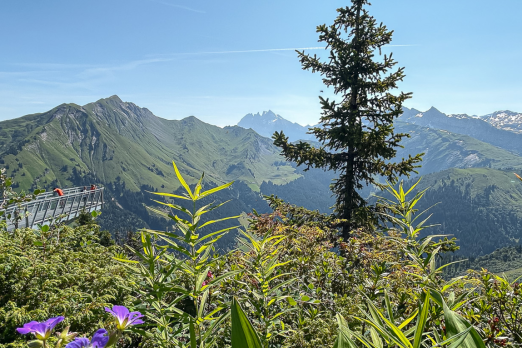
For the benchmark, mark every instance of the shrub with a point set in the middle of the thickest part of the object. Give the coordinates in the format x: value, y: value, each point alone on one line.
x: 54, y: 272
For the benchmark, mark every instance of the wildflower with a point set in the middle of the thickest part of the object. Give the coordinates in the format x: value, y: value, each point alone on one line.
x: 124, y: 317
x: 99, y: 340
x: 210, y: 276
x: 42, y: 331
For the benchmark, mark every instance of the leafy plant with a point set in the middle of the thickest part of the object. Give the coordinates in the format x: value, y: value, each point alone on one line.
x: 263, y: 283
x: 425, y: 333
x: 176, y: 269
x: 58, y: 271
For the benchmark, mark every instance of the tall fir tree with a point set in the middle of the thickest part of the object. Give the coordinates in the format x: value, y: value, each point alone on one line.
x: 356, y: 129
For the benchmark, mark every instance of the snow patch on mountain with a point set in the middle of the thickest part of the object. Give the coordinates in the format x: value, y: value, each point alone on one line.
x: 505, y: 119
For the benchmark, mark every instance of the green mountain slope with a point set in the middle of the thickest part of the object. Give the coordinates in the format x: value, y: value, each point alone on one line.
x: 113, y: 139
x: 444, y: 150
x: 128, y: 149
x: 504, y: 261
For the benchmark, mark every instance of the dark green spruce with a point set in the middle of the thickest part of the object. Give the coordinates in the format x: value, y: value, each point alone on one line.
x: 356, y: 129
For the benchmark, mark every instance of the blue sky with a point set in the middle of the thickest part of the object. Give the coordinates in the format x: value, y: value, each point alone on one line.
x: 219, y: 60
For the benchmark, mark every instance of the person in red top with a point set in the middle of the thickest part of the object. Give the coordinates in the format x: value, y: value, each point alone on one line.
x: 93, y: 188
x: 60, y: 194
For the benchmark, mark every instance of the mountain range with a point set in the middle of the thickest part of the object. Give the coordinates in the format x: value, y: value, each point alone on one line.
x: 507, y: 120
x: 467, y: 171
x: 129, y: 150
x: 268, y: 122
x: 488, y: 129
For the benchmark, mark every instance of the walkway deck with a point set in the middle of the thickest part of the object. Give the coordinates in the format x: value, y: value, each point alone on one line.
x: 48, y: 208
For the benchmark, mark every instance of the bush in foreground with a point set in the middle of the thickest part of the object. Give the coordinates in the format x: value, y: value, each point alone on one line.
x: 54, y: 272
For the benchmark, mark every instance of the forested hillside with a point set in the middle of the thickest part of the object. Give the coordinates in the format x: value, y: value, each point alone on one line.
x: 504, y: 261
x: 481, y: 207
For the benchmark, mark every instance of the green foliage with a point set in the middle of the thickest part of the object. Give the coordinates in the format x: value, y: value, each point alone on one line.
x: 498, y: 307
x: 357, y: 134
x: 58, y: 271
x: 243, y: 334
x: 177, y: 287
x: 284, y: 286
x: 262, y: 287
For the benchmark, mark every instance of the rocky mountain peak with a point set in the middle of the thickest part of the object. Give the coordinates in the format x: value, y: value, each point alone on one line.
x: 505, y: 119
x: 268, y: 122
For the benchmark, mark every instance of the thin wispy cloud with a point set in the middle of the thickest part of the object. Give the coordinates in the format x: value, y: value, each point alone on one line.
x: 122, y: 67
x: 264, y: 50
x: 88, y: 70
x: 259, y: 50
x: 177, y: 6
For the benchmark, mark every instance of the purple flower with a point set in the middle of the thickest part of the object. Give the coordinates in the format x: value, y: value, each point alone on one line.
x: 99, y: 340
x: 42, y: 331
x: 124, y: 318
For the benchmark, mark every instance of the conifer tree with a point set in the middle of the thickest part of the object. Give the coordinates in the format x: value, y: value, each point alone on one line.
x: 356, y: 128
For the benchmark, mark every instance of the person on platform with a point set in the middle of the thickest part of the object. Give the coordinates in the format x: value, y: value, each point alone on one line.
x: 93, y: 188
x: 59, y: 192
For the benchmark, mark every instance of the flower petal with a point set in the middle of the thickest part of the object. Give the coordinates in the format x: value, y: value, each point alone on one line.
x: 120, y: 312
x: 41, y: 331
x: 100, y: 339
x: 135, y: 315
x: 27, y: 328
x: 79, y: 342
x: 108, y: 310
x: 51, y: 323
x: 136, y: 322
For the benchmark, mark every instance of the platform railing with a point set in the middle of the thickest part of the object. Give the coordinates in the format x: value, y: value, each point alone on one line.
x: 50, y: 208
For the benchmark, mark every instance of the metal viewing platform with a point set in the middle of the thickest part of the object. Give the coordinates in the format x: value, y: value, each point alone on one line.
x: 48, y: 206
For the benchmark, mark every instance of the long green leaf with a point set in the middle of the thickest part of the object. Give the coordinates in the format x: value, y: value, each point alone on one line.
x: 219, y: 220
x: 215, y: 189
x: 389, y: 308
x: 171, y: 195
x: 243, y: 334
x: 192, y: 330
x: 343, y: 337
x: 214, y: 233
x: 182, y: 181
x: 408, y: 320
x: 198, y: 186
x: 421, y: 321
x: 455, y: 324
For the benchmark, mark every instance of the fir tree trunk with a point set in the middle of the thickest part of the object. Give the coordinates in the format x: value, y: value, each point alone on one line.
x: 350, y: 194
